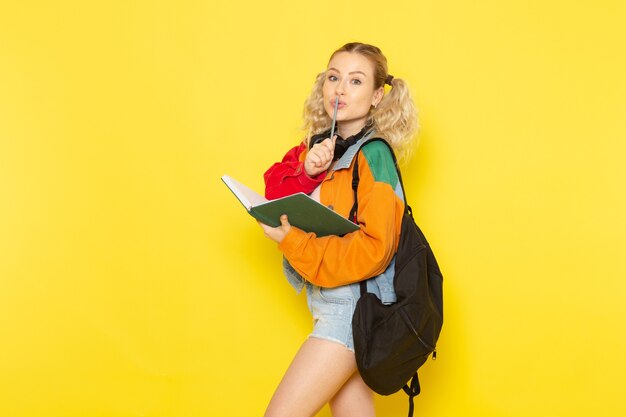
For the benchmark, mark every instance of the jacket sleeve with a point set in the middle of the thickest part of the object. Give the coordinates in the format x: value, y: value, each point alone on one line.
x: 289, y: 177
x: 332, y: 261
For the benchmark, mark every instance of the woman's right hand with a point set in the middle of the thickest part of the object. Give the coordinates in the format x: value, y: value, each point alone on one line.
x: 319, y: 157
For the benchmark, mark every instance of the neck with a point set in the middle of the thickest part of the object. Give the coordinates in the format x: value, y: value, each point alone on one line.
x: 351, y: 128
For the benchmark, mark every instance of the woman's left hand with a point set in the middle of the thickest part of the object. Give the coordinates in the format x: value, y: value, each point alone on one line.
x: 277, y: 234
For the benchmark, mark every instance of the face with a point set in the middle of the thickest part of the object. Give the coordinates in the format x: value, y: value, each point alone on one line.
x: 350, y: 76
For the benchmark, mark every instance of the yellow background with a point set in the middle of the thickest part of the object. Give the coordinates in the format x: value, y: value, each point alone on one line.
x: 133, y: 284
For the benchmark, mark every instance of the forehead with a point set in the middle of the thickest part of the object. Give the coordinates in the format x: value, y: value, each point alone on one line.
x: 346, y: 62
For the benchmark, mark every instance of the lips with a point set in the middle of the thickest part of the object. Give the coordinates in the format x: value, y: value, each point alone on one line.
x: 341, y: 105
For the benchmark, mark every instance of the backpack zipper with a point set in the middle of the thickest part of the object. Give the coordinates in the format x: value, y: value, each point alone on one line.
x: 407, y: 320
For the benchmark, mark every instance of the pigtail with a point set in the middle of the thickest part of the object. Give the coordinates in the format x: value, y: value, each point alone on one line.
x: 395, y: 118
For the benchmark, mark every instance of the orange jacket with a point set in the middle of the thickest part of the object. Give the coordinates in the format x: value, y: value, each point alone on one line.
x: 332, y: 261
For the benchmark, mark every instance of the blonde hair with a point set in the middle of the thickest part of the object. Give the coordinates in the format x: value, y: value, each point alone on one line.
x: 395, y: 117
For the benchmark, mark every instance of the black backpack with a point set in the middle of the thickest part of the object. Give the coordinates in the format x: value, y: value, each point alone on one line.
x: 393, y: 341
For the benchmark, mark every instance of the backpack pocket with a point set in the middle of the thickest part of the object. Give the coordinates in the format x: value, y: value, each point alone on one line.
x: 388, y: 346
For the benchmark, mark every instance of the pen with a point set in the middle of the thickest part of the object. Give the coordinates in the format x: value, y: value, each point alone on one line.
x: 332, y: 126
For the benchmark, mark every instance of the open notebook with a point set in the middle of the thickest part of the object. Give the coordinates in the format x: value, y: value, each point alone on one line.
x: 303, y: 212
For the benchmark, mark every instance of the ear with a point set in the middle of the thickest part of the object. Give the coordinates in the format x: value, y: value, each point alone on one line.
x: 378, y: 96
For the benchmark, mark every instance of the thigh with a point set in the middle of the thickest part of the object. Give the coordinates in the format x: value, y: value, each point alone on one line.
x: 354, y: 398
x: 318, y: 371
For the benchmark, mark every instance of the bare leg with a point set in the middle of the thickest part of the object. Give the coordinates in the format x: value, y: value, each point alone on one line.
x: 318, y: 371
x: 353, y: 399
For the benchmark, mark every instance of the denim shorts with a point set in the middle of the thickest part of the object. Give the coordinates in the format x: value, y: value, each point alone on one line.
x: 332, y: 310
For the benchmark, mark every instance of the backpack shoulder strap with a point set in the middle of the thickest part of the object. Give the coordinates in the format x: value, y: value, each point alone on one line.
x: 355, y: 179
x: 355, y: 186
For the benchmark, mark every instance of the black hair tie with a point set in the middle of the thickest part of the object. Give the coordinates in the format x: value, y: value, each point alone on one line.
x: 389, y: 79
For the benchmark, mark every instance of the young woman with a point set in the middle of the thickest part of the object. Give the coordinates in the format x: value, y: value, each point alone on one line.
x: 324, y: 369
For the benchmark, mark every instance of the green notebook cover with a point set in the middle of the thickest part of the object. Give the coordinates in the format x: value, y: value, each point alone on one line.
x: 303, y: 212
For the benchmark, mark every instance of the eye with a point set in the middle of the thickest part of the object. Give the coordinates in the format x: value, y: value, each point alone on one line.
x: 356, y: 81
x: 332, y: 78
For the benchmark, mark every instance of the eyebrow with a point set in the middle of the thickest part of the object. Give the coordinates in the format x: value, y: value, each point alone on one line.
x: 352, y: 72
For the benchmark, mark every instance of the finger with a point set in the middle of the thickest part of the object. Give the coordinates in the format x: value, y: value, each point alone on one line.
x: 315, y: 159
x: 326, y: 147
x: 329, y: 144
x: 266, y: 228
x: 325, y: 154
x: 284, y: 220
x: 322, y: 155
x: 323, y: 146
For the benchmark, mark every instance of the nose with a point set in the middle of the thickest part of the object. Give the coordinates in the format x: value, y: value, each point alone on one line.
x: 339, y: 90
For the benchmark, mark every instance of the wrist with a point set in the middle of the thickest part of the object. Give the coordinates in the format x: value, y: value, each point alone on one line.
x: 311, y: 175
